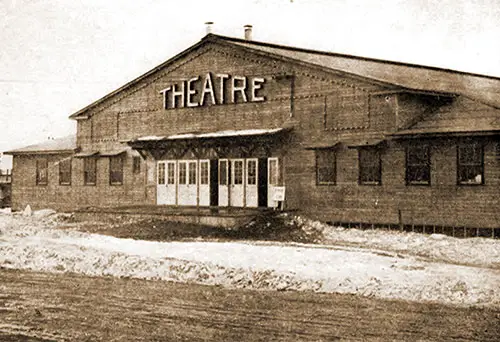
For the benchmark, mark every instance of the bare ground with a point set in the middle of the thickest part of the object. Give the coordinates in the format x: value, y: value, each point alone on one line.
x: 66, y: 307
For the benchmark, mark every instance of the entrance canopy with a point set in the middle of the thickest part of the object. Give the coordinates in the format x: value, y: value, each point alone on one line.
x: 222, y: 143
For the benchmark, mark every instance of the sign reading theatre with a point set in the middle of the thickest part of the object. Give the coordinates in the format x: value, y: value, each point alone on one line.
x: 213, y: 90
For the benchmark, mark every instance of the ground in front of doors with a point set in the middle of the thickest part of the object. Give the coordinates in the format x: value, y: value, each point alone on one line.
x: 104, y: 279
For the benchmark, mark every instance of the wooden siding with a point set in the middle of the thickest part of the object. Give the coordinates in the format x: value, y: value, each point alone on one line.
x: 323, y: 107
x: 77, y: 195
x: 442, y: 203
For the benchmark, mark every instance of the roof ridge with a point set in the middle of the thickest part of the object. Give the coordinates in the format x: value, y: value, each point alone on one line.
x: 338, y: 54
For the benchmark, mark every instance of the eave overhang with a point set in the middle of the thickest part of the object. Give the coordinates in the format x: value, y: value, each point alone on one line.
x: 208, y: 139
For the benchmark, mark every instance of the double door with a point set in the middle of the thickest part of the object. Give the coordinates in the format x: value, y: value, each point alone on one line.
x: 238, y: 182
x: 183, y: 182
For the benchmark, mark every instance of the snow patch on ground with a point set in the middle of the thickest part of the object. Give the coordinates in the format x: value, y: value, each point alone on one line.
x: 482, y: 252
x: 34, y: 243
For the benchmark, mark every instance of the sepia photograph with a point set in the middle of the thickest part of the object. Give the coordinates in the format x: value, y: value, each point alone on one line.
x: 281, y: 170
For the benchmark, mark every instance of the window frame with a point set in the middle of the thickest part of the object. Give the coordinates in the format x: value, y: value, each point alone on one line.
x: 318, y: 153
x: 42, y: 178
x: 427, y: 165
x: 68, y: 172
x: 362, y: 166
x: 119, y: 160
x: 87, y: 171
x: 460, y: 145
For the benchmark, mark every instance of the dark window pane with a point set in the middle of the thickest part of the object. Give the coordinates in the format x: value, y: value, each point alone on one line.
x: 223, y: 172
x: 136, y: 168
x: 41, y: 171
x: 182, y: 173
x: 192, y: 172
x: 238, y: 172
x: 369, y: 166
x: 161, y: 173
x: 65, y: 171
x: 204, y: 172
x: 116, y: 170
x: 325, y: 167
x: 470, y: 164
x: 170, y: 173
x: 89, y: 171
x: 418, y: 165
x: 252, y: 172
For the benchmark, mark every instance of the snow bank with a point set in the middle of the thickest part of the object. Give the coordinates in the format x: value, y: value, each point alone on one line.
x: 472, y: 251
x: 26, y: 243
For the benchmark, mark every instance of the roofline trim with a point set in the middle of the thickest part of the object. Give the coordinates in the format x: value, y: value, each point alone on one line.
x: 371, y: 59
x: 415, y: 135
x: 13, y: 153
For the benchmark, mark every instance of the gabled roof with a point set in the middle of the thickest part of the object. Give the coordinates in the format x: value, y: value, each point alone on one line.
x: 52, y: 146
x: 407, y: 76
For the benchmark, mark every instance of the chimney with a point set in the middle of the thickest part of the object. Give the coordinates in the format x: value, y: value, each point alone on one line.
x: 209, y: 25
x: 248, y: 32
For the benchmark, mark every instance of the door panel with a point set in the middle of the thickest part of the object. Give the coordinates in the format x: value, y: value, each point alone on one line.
x: 187, y: 180
x: 236, y: 196
x: 170, y: 183
x: 204, y: 183
x: 214, y: 182
x: 251, y: 191
x: 161, y: 190
x: 272, y: 180
x: 262, y: 176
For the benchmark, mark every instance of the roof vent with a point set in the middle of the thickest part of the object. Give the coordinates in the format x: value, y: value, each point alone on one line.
x: 248, y: 32
x: 209, y: 26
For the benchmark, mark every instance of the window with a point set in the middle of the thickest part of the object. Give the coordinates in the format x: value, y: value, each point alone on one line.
x: 182, y: 173
x: 470, y: 164
x: 89, y: 171
x: 252, y: 172
x: 203, y: 172
x: 418, y: 165
x: 136, y: 165
x: 41, y: 171
x: 170, y: 173
x: 223, y: 172
x: 370, y: 170
x: 326, y: 167
x: 273, y: 176
x: 192, y: 172
x: 238, y: 172
x: 65, y: 171
x: 161, y: 173
x: 116, y: 170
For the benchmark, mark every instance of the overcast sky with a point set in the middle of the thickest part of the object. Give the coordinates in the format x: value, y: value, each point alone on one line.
x: 57, y: 56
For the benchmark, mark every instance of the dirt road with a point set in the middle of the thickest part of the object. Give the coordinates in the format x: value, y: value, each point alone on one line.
x: 48, y: 307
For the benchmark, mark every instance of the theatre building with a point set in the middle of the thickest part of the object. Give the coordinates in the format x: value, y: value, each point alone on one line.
x: 235, y: 123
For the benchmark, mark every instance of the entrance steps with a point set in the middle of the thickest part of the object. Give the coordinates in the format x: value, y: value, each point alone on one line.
x: 225, y: 217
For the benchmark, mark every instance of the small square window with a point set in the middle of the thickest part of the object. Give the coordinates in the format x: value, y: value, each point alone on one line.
x: 326, y: 166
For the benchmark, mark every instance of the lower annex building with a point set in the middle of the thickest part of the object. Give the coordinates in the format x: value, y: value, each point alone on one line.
x: 235, y: 123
